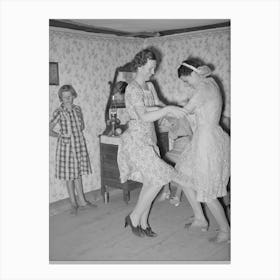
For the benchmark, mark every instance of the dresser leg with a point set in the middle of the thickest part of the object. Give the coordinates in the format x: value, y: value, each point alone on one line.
x: 103, y: 191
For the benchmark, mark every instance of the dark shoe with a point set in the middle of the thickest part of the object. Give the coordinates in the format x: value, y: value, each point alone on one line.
x: 149, y: 232
x: 88, y: 205
x: 135, y: 230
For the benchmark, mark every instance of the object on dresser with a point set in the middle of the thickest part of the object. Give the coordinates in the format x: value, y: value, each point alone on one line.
x: 113, y: 123
x: 116, y: 101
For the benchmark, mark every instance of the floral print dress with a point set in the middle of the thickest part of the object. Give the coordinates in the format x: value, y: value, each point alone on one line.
x: 138, y: 153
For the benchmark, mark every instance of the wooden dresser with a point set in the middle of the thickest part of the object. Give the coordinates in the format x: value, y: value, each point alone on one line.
x: 109, y: 166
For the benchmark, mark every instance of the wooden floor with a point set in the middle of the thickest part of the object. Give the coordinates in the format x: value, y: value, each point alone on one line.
x: 98, y: 235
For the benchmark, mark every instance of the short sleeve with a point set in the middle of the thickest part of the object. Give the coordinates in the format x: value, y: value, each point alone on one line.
x: 134, y: 96
x: 134, y: 101
x: 55, y: 117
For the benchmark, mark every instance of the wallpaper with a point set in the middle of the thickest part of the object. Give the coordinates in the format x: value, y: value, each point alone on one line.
x: 89, y: 61
x: 212, y: 46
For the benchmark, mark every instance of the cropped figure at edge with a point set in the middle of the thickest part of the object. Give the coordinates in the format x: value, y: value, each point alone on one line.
x: 205, y: 163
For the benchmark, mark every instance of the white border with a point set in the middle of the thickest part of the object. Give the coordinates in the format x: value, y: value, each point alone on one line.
x: 255, y: 137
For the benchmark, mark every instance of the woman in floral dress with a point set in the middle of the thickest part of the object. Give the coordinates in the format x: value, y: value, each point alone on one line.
x: 205, y: 164
x: 138, y: 154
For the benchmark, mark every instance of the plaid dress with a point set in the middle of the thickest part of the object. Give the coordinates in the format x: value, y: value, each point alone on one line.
x: 72, y: 160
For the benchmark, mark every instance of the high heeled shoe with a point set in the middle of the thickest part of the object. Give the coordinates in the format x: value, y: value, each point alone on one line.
x: 136, y: 230
x: 194, y: 225
x: 149, y: 232
x: 221, y: 237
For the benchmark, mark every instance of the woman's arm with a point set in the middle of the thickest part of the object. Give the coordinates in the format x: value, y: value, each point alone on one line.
x: 152, y: 116
x: 53, y: 123
x: 53, y: 133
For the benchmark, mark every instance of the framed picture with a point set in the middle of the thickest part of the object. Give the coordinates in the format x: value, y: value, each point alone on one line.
x: 54, y: 77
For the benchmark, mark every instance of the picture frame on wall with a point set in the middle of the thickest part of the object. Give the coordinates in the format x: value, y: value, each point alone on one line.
x: 53, y: 74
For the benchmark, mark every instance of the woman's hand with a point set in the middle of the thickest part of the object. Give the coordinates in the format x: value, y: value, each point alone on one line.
x: 176, y: 111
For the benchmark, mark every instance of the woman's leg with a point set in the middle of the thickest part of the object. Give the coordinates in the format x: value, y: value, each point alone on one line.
x: 178, y: 192
x: 80, y: 191
x: 165, y: 194
x: 199, y: 217
x: 146, y: 197
x: 218, y: 212
x: 144, y: 218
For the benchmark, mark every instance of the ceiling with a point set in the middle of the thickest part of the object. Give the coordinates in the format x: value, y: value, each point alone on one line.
x: 147, y: 25
x: 139, y: 27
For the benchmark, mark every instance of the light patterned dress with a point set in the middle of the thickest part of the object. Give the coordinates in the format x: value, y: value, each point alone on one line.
x: 138, y: 153
x: 205, y: 163
x: 72, y: 160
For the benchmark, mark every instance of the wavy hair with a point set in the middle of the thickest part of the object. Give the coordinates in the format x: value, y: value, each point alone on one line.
x: 142, y: 57
x: 67, y: 88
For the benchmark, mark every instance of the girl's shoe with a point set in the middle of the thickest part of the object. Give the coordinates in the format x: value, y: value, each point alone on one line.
x: 136, y: 230
x: 221, y: 237
x: 175, y: 201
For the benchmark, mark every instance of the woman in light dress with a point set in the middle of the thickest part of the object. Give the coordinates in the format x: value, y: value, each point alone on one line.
x: 138, y: 153
x: 205, y: 163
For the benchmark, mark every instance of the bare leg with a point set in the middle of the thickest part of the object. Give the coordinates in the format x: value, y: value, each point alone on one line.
x: 72, y: 197
x: 144, y: 218
x: 80, y: 192
x: 176, y: 199
x: 219, y: 214
x: 146, y: 197
x: 165, y: 194
x: 71, y: 193
x: 196, y: 206
x: 178, y: 192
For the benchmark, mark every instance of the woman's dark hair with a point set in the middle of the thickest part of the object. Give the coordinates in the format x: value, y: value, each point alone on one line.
x: 186, y: 71
x: 120, y: 87
x: 66, y: 88
x: 142, y: 57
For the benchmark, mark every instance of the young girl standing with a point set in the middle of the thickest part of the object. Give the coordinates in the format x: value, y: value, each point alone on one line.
x: 72, y: 160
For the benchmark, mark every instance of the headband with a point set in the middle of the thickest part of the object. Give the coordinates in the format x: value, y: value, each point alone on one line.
x: 203, y: 71
x: 190, y: 66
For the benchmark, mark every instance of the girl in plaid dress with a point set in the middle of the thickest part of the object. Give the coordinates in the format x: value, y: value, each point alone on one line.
x: 72, y: 160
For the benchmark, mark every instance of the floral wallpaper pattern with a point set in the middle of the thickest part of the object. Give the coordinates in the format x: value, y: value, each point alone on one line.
x: 212, y: 46
x: 88, y: 62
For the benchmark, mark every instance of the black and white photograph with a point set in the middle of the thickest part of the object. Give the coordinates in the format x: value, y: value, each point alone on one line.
x: 140, y: 140
x: 146, y: 144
